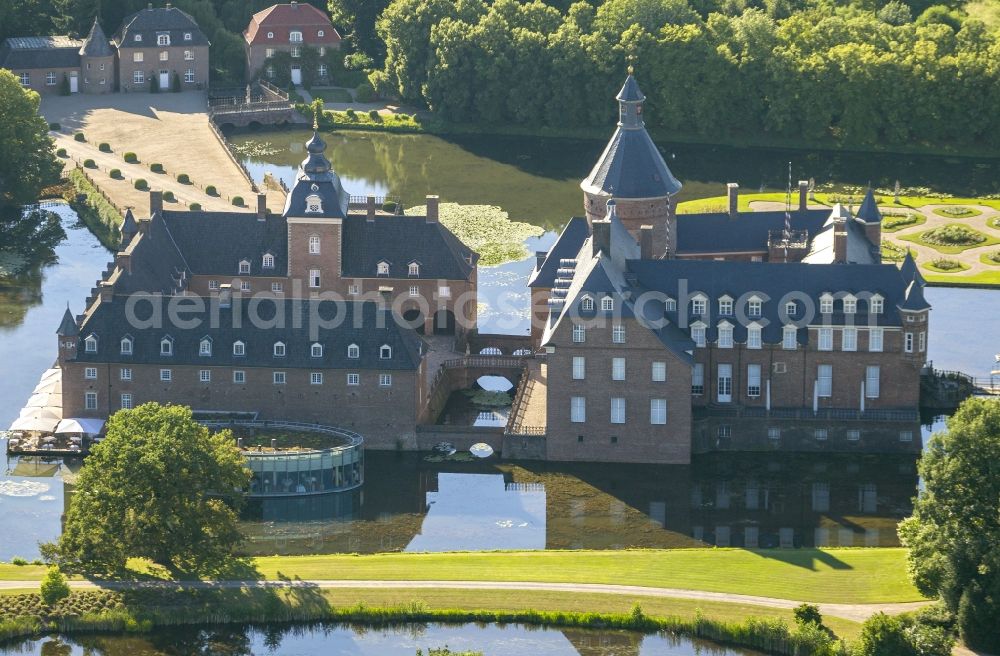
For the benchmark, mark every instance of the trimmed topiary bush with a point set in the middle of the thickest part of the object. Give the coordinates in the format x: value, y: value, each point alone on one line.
x: 79, y: 136
x: 365, y: 92
x: 351, y: 114
x: 238, y: 201
x: 946, y: 265
x: 194, y: 207
x: 183, y: 178
x: 55, y: 127
x: 141, y: 185
x: 956, y: 211
x: 116, y: 174
x: 389, y: 207
x: 131, y: 158
x: 374, y: 116
x: 105, y: 147
x: 61, y: 152
x: 156, y: 167
x: 89, y: 164
x: 169, y: 196
x: 211, y: 190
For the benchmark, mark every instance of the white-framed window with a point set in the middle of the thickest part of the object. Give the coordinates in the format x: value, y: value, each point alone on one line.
x: 278, y: 377
x: 295, y: 36
x: 824, y: 379
x: 314, y: 245
x: 821, y: 433
x: 753, y: 337
x: 385, y: 352
x: 922, y: 342
x: 244, y: 266
x: 725, y: 306
x: 725, y: 335
x: 277, y: 287
x: 382, y: 269
x: 189, y: 75
x: 618, y: 333
x: 753, y: 380
x: 791, y: 308
x: 659, y: 372
x: 826, y: 304
x: 90, y: 373
x: 137, y: 57
x: 268, y: 53
x: 314, y: 278
x: 126, y: 346
x: 138, y: 77
x: 853, y: 434
x: 213, y: 285
x: 587, y: 304
x: 617, y: 410
x: 163, y: 39
x: 322, y: 70
x: 414, y: 290
x: 875, y: 337
x: 850, y: 305
x: 908, y: 342
x: 270, y: 35
x: 188, y: 55
x: 699, y: 305
x: 875, y: 304
x: 579, y: 334
x: 164, y: 55
x: 698, y: 335
x: 607, y: 304
x: 296, y: 52
x: 315, y: 378
x: 239, y: 348
x: 354, y: 289
x: 670, y: 305
x: 444, y: 291
x: 849, y: 339
x: 314, y: 203
x: 90, y: 400
x: 825, y: 339
x: 578, y: 409
x: 279, y: 349
x: 25, y: 79
x: 789, y: 338
x: 413, y: 269
x: 320, y: 33
x: 617, y: 368
x: 698, y: 379
x: 50, y: 79
x: 244, y: 285
x: 205, y: 375
x: 754, y: 307
x: 267, y: 261
x: 205, y: 347
x: 353, y: 351
x: 316, y: 350
x: 166, y: 346
x: 905, y: 436
x: 239, y: 376
x: 579, y: 367
x: 353, y: 379
x: 166, y: 375
x: 657, y: 411
x: 126, y: 401
x: 872, y: 376
x: 724, y: 383
x: 90, y: 344
x: 125, y: 373
x: 187, y: 36
x: 385, y: 380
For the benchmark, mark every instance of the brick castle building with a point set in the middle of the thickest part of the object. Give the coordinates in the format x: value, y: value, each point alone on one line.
x: 288, y: 27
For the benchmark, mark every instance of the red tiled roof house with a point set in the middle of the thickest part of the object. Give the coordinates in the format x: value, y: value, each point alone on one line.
x: 291, y: 28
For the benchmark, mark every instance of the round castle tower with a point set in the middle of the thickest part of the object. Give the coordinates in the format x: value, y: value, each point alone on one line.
x: 97, y: 60
x: 632, y: 171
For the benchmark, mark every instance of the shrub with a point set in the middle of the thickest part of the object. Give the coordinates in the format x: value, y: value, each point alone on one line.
x: 53, y: 588
x: 194, y: 207
x: 17, y: 560
x: 895, y: 221
x: 946, y: 265
x: 156, y: 167
x: 373, y: 115
x: 211, y: 190
x: 808, y: 614
x: 956, y: 210
x: 64, y: 89
x: 365, y: 92
x: 994, y: 257
x: 79, y: 136
x: 169, y: 196
x: 183, y: 178
x: 141, y: 185
x: 882, y: 635
x: 154, y: 84
x: 89, y: 164
x: 389, y: 207
x: 116, y: 174
x: 55, y: 127
x: 351, y: 115
x: 131, y: 158
x: 176, y: 85
x: 238, y: 201
x: 105, y: 147
x: 977, y: 614
x: 61, y: 152
x: 953, y: 235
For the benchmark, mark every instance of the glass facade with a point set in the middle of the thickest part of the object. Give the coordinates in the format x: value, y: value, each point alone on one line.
x: 289, y: 473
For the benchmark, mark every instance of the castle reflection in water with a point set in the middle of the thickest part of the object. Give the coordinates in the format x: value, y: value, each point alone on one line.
x: 822, y: 494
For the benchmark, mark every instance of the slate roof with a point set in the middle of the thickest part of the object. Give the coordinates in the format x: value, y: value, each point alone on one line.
x: 869, y: 212
x: 156, y: 20
x: 400, y: 240
x: 157, y: 264
x: 359, y: 326
x: 40, y: 52
x: 914, y: 300
x: 859, y: 249
x: 908, y: 269
x: 316, y: 177
x: 96, y: 44
x: 717, y: 232
x: 282, y: 18
x: 216, y: 242
x: 630, y: 91
x: 566, y: 247
x: 67, y: 327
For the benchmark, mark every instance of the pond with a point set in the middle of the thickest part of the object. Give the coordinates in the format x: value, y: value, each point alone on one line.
x: 362, y: 640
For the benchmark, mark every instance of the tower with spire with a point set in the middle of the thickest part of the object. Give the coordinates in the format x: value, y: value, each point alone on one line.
x: 97, y: 60
x: 632, y: 171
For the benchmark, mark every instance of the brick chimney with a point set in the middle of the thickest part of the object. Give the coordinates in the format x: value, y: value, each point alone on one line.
x: 123, y: 260
x: 155, y: 202
x: 107, y: 292
x: 370, y: 209
x: 803, y: 195
x: 432, y: 209
x: 839, y: 239
x: 261, y: 207
x: 601, y: 239
x: 733, y: 194
x: 646, y: 242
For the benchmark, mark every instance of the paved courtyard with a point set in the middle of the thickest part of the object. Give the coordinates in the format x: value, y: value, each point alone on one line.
x: 169, y: 128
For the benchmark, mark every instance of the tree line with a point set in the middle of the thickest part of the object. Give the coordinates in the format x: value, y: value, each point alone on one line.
x: 718, y: 70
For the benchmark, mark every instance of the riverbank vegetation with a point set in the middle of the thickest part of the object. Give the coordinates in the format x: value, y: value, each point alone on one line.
x: 99, y: 215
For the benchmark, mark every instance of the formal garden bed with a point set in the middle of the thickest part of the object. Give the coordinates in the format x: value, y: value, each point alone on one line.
x: 944, y: 265
x: 956, y: 211
x: 895, y: 221
x: 992, y: 259
x: 951, y: 238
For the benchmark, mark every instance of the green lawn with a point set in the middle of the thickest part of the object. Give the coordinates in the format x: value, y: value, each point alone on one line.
x: 962, y: 266
x: 985, y: 259
x: 951, y: 280
x: 332, y: 95
x: 913, y: 202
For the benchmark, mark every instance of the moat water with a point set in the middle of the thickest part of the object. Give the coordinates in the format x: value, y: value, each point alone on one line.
x: 408, y: 503
x: 363, y: 640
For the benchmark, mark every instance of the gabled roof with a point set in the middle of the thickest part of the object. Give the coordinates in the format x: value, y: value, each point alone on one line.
x: 399, y: 240
x: 67, y: 327
x: 152, y: 21
x: 717, y: 232
x: 869, y: 212
x: 281, y: 18
x: 129, y: 226
x: 214, y: 243
x: 96, y: 44
x: 45, y: 52
x: 566, y: 247
x: 156, y: 264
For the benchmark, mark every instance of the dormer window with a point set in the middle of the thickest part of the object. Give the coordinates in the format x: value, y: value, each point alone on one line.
x: 383, y: 269
x: 316, y: 350
x: 698, y: 334
x: 791, y: 309
x: 753, y: 336
x: 725, y: 306
x: 826, y: 304
x: 205, y: 347
x: 314, y: 244
x: 137, y: 38
x: 295, y: 36
x: 875, y: 304
x: 126, y: 346
x: 239, y: 348
x: 670, y: 305
x: 279, y: 349
x: 353, y: 352
x: 725, y: 335
x: 167, y: 346
x: 850, y: 305
x: 314, y: 204
x: 244, y: 266
x: 607, y: 304
x: 699, y: 305
x: 268, y: 262
x: 414, y: 269
x: 587, y: 304
x: 163, y: 39
x: 187, y: 36
x: 385, y: 352
x: 90, y: 344
x: 754, y: 307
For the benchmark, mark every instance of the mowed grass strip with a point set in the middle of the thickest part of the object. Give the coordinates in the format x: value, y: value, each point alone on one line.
x: 818, y: 575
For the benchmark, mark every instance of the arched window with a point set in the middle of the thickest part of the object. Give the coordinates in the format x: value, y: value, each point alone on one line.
x: 314, y: 203
x: 587, y: 304
x: 607, y: 304
x: 279, y: 349
x: 239, y: 348
x: 167, y: 346
x: 205, y: 346
x: 353, y: 352
x: 314, y: 244
x: 295, y: 36
x: 244, y: 266
x: 385, y: 352
x: 90, y: 344
x: 383, y: 268
x: 268, y: 261
x: 316, y: 350
x: 126, y: 345
x: 414, y: 269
